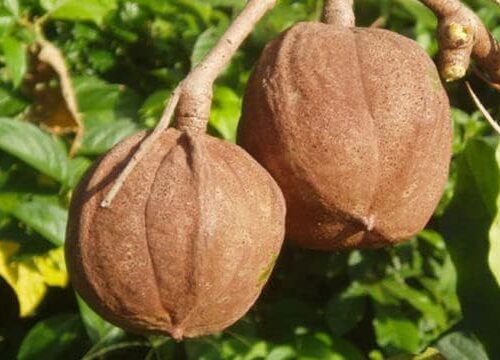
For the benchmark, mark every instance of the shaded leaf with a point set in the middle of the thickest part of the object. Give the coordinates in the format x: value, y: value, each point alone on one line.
x: 49, y: 338
x: 466, y: 228
x: 344, y: 312
x: 461, y: 346
x: 494, y: 235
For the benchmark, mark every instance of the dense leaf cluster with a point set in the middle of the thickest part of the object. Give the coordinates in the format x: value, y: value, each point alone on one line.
x: 440, y: 289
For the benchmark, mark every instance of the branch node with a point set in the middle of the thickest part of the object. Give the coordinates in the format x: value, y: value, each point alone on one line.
x: 453, y: 72
x: 458, y: 34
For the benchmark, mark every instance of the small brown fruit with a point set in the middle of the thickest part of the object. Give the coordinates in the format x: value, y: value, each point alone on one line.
x: 354, y: 125
x: 188, y: 242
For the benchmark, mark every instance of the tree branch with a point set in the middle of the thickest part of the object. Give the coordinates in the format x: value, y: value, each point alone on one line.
x: 192, y: 98
x: 339, y: 13
x: 462, y: 35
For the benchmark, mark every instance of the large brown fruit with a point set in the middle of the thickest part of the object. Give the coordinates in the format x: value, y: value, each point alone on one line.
x: 188, y: 242
x: 354, y: 125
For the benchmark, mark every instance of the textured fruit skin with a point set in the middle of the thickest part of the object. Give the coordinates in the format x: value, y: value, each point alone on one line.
x: 188, y: 242
x: 355, y: 127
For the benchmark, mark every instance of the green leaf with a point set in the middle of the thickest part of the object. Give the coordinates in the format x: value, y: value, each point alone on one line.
x: 395, y: 331
x: 152, y: 108
x: 428, y: 354
x: 421, y: 13
x: 494, y: 235
x: 203, y: 349
x: 226, y: 111
x: 344, y: 312
x: 76, y: 10
x: 282, y: 352
x: 35, y: 147
x: 461, y: 346
x: 10, y: 104
x: 15, y: 59
x: 97, y: 328
x: 466, y: 228
x: 101, y: 102
x: 418, y: 300
x: 321, y: 346
x: 311, y: 347
x: 12, y: 6
x: 51, y: 337
x: 100, y: 138
x: 76, y: 168
x: 42, y: 213
x: 344, y: 350
x: 205, y: 42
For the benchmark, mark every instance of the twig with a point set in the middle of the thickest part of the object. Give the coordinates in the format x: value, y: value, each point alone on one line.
x: 462, y: 34
x: 481, y: 108
x: 483, y: 77
x: 143, y: 147
x: 339, y: 13
x: 192, y: 98
x: 378, y: 23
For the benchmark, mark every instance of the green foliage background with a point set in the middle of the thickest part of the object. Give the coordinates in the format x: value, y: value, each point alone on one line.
x: 440, y: 289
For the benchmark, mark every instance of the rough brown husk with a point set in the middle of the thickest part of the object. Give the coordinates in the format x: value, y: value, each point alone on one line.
x: 188, y: 242
x: 354, y: 125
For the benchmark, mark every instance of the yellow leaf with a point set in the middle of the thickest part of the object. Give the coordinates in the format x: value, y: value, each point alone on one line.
x: 30, y: 277
x: 52, y: 267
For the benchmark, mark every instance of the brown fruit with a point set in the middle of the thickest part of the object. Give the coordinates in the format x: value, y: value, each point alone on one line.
x: 354, y: 125
x: 188, y: 242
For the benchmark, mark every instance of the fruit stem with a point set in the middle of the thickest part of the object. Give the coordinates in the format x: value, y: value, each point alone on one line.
x: 192, y: 98
x: 462, y: 35
x: 195, y: 99
x: 339, y: 13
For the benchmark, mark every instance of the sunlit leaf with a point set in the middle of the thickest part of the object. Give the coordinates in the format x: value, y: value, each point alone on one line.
x: 35, y: 147
x: 15, y: 58
x: 226, y: 110
x: 97, y: 328
x: 394, y: 330
x: 76, y: 10
x: 12, y: 6
x: 77, y: 167
x: 205, y: 43
x: 29, y: 277
x: 10, y: 104
x: 284, y: 352
x: 42, y: 213
x: 101, y: 138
